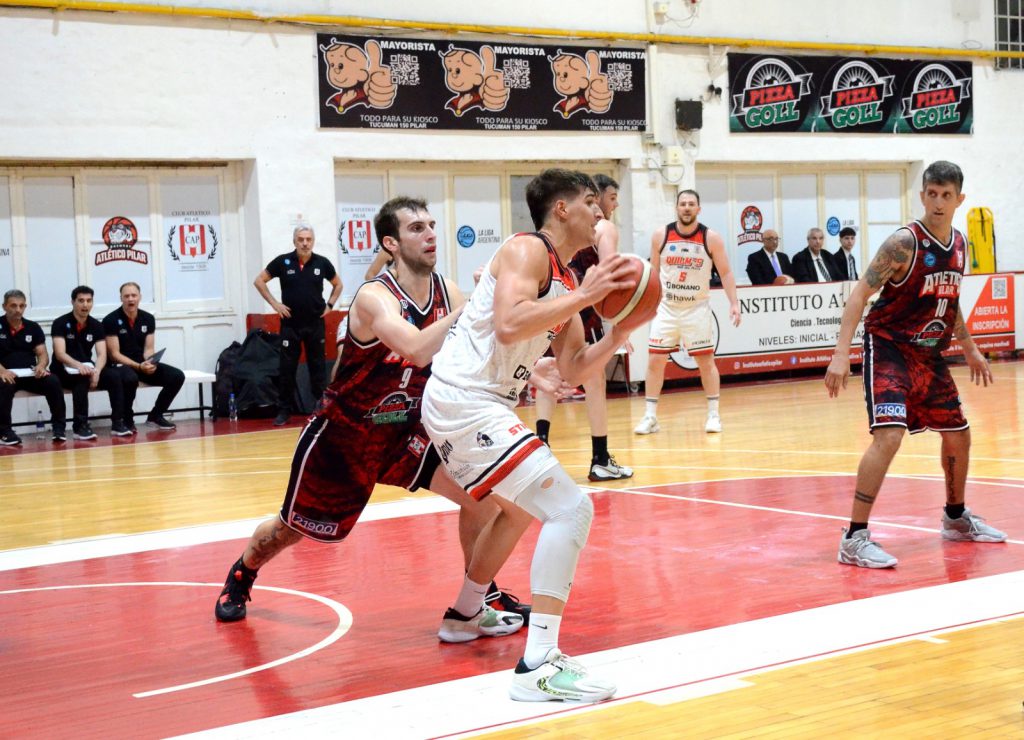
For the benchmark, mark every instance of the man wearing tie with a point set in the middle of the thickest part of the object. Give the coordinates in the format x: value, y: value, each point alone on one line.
x: 814, y: 264
x: 769, y: 266
x: 846, y: 265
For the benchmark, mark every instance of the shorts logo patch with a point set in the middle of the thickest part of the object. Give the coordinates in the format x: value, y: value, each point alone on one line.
x: 897, y: 410
x: 329, y: 529
x: 483, y: 440
x: 445, y: 450
x: 417, y: 445
x: 393, y: 409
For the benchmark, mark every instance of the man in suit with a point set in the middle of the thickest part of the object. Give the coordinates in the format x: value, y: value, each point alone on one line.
x: 767, y: 265
x: 842, y: 258
x: 813, y: 264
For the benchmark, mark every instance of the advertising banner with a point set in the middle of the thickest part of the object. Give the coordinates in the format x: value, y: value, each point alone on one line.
x: 403, y: 83
x: 819, y: 94
x: 788, y: 327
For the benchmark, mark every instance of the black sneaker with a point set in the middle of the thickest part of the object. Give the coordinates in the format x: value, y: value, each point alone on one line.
x: 503, y: 601
x: 160, y: 423
x: 60, y: 435
x: 131, y: 427
x: 282, y: 418
x: 84, y: 432
x: 119, y: 429
x: 231, y: 604
x: 8, y: 438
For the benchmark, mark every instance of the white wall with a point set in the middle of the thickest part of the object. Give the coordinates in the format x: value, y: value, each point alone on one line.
x: 88, y: 87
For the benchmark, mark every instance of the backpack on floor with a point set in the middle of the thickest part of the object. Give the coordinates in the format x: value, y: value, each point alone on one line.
x: 224, y: 385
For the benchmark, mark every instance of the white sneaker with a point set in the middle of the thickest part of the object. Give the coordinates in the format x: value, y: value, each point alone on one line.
x: 558, y: 678
x: 970, y: 528
x: 610, y: 470
x: 714, y: 424
x: 487, y: 622
x: 648, y: 425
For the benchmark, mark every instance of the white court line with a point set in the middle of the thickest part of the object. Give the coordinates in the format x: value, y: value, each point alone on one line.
x: 343, y: 626
x: 660, y: 671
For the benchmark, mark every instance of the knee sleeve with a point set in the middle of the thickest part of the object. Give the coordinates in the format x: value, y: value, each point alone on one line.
x: 566, y: 514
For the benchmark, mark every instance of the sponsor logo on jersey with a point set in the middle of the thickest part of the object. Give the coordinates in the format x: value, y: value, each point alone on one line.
x: 393, y: 409
x: 898, y: 410
x: 312, y: 526
x: 687, y: 263
x: 931, y: 335
x: 929, y: 258
x: 445, y: 450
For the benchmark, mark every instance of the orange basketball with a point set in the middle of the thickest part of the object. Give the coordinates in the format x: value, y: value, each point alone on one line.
x: 633, y: 307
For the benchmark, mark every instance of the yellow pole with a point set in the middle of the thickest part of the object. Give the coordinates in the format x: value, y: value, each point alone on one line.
x: 376, y: 24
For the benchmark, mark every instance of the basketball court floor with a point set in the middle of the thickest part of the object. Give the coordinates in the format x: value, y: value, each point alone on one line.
x: 709, y: 589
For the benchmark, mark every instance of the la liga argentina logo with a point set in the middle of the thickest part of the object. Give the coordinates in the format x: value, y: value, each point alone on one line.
x: 935, y: 98
x: 857, y: 96
x: 771, y: 94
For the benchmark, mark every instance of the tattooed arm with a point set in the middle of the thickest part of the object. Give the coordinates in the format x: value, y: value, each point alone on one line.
x: 981, y: 373
x: 891, y: 263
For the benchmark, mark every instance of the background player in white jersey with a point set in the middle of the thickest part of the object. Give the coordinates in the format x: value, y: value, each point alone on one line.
x: 684, y: 253
x: 525, y: 302
x: 602, y: 465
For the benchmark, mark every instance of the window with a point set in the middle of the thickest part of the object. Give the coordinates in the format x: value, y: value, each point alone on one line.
x: 1009, y: 18
x: 740, y: 202
x: 168, y: 229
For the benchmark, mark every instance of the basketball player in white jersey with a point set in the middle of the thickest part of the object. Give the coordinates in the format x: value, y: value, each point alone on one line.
x: 603, y: 466
x: 527, y: 300
x: 684, y: 253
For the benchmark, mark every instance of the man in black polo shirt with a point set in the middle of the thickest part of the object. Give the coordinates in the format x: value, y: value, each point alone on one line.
x: 23, y: 361
x: 75, y: 335
x: 131, y: 341
x: 302, y: 310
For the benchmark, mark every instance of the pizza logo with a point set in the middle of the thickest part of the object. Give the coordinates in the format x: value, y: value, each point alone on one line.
x: 119, y: 239
x: 771, y: 94
x: 857, y: 95
x: 393, y: 409
x: 935, y: 97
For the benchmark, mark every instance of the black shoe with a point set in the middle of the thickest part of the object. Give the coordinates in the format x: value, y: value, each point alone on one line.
x: 83, y: 432
x: 131, y: 427
x: 118, y: 429
x: 505, y: 602
x: 231, y: 604
x: 8, y: 438
x: 282, y: 418
x: 60, y: 435
x: 160, y: 423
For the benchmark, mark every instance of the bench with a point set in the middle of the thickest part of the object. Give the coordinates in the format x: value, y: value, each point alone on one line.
x: 192, y: 377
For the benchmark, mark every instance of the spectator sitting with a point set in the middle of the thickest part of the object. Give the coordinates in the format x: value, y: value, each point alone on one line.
x: 813, y: 264
x: 842, y: 258
x: 769, y: 266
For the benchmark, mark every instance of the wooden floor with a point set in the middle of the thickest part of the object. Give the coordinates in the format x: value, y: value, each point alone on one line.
x: 785, y: 447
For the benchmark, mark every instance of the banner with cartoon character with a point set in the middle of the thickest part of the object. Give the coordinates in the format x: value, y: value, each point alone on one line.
x: 846, y: 95
x: 407, y: 83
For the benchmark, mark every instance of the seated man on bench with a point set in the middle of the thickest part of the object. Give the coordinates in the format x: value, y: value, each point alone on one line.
x: 75, y: 335
x: 131, y: 342
x: 23, y: 361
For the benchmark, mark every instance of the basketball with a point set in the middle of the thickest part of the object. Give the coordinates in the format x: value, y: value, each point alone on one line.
x: 633, y: 307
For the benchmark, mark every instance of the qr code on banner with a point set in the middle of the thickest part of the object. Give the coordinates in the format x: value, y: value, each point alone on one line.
x: 517, y: 74
x: 999, y: 291
x: 405, y: 69
x: 620, y: 77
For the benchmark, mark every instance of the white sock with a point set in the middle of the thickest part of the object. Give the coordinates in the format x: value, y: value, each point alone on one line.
x: 652, y: 407
x: 712, y: 405
x: 471, y: 597
x: 541, y: 636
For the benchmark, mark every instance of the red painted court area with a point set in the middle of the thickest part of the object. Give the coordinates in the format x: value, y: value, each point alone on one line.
x: 693, y: 557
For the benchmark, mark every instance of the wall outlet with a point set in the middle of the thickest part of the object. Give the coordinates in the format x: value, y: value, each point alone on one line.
x: 673, y: 156
x: 660, y: 8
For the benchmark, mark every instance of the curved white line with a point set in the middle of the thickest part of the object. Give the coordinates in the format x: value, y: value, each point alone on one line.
x: 344, y: 623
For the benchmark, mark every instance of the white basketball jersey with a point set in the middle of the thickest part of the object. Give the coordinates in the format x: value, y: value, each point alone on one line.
x: 471, y: 357
x: 685, y: 267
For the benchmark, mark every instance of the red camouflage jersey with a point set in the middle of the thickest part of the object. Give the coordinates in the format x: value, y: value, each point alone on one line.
x: 375, y: 384
x: 921, y: 309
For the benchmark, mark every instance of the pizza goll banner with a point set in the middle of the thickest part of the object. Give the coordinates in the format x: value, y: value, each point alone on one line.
x: 846, y: 95
x: 390, y: 83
